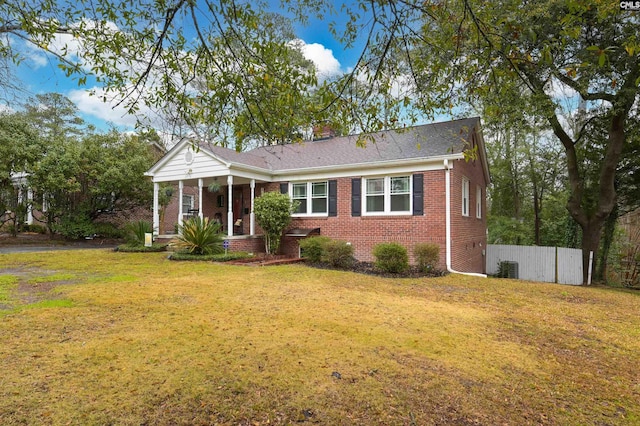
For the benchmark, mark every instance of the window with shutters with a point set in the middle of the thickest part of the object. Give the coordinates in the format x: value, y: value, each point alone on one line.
x: 312, y: 197
x: 388, y: 195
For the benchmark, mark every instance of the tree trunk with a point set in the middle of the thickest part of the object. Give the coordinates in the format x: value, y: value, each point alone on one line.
x: 609, y: 228
x: 592, y: 222
x: 590, y: 243
x: 536, y: 212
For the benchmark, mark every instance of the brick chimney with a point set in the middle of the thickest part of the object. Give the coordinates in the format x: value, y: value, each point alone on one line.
x: 323, y: 131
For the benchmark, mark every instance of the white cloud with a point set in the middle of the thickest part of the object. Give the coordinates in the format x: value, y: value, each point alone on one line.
x: 6, y: 109
x: 327, y: 65
x: 91, y: 102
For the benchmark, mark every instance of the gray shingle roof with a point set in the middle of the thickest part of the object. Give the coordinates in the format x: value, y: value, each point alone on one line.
x: 429, y: 140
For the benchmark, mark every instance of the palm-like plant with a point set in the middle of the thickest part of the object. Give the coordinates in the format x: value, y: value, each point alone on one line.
x: 135, y: 232
x: 200, y: 236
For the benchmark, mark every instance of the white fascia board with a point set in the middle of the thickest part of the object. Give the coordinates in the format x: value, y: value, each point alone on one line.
x: 371, y: 169
x: 244, y: 171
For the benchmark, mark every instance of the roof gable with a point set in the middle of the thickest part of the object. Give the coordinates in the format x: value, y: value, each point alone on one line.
x: 186, y: 161
x: 420, y: 143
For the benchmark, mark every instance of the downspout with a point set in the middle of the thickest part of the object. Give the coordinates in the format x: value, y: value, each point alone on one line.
x: 447, y: 182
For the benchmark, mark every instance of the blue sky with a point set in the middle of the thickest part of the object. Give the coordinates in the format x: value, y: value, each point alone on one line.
x: 40, y: 74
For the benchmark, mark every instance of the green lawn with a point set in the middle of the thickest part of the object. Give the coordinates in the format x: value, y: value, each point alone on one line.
x: 99, y: 337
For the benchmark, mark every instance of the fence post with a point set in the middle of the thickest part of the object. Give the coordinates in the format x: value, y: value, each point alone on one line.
x: 590, y: 267
x: 556, y: 266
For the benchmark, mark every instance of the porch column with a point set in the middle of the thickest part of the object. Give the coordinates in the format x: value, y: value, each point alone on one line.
x: 180, y: 212
x: 252, y: 216
x: 230, y: 206
x: 200, y: 198
x: 29, y: 206
x: 156, y: 212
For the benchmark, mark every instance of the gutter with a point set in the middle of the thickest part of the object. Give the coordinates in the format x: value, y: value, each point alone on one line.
x: 447, y: 180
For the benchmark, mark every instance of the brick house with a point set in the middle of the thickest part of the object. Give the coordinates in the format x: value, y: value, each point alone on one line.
x: 409, y: 186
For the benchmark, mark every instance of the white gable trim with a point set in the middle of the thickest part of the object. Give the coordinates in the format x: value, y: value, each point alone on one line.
x: 179, y: 150
x: 186, y: 162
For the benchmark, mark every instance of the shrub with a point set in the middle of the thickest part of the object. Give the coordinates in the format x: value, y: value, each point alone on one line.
x: 391, y: 257
x: 313, y: 248
x: 34, y: 227
x: 108, y: 230
x: 75, y: 227
x: 273, y: 214
x: 338, y: 254
x: 427, y: 256
x: 200, y: 237
x: 135, y: 232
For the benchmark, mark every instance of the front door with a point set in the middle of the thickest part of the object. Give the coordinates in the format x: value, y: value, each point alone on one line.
x: 238, y: 206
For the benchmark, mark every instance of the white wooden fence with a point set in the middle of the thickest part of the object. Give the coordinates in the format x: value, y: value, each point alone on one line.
x: 547, y: 264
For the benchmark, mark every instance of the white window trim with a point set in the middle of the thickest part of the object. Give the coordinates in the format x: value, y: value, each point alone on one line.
x: 309, y: 198
x: 387, y: 196
x: 478, y: 202
x: 465, y: 197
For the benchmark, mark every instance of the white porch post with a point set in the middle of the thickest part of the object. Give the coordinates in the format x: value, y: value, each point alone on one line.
x: 29, y: 206
x: 230, y: 206
x: 252, y: 216
x: 200, y: 198
x: 156, y: 212
x: 180, y: 212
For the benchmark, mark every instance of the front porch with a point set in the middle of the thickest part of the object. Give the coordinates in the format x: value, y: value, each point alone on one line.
x: 230, y: 205
x: 207, y: 182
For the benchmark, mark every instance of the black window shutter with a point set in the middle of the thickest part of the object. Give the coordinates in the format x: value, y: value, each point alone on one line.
x: 284, y: 188
x: 356, y: 198
x: 418, y: 195
x: 333, y: 198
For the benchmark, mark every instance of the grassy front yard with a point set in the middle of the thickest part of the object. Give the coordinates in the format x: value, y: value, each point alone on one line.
x: 98, y: 337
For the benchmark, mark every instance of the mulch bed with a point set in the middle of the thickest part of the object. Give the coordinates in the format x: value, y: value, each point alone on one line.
x: 266, y: 260
x: 370, y: 269
x: 358, y: 267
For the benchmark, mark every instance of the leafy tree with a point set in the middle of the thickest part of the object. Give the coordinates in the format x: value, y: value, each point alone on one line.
x: 273, y: 213
x: 54, y: 116
x: 552, y: 54
x: 112, y: 176
x: 79, y: 176
x: 54, y: 177
x: 19, y: 147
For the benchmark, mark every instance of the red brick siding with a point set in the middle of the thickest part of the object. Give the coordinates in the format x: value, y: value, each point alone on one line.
x: 364, y: 232
x: 468, y: 233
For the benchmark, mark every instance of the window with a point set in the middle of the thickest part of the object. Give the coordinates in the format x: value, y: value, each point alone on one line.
x: 312, y: 197
x: 478, y: 202
x: 387, y: 195
x: 187, y: 203
x: 465, y: 197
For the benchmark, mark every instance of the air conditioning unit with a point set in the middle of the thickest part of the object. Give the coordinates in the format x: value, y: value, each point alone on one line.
x: 508, y: 269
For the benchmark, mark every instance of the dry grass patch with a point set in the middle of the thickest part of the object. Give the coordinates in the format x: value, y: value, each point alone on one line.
x: 149, y: 341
